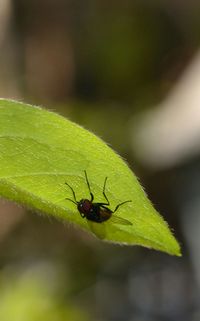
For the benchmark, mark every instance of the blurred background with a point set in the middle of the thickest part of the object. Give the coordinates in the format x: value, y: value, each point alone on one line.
x: 130, y: 72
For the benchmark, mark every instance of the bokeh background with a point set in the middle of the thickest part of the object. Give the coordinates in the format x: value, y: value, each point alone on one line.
x: 130, y: 72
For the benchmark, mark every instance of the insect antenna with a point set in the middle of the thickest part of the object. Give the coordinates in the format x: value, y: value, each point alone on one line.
x: 92, y: 196
x: 116, y: 208
x: 74, y: 195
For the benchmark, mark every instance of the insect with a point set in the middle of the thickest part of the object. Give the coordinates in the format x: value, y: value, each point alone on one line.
x: 97, y: 212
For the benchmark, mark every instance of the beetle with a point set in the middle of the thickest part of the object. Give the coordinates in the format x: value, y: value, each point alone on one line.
x: 97, y: 212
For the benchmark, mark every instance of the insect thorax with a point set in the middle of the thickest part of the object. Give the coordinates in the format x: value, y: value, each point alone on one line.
x: 98, y: 214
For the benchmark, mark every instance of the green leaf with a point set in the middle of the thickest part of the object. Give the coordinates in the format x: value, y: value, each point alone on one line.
x: 40, y: 151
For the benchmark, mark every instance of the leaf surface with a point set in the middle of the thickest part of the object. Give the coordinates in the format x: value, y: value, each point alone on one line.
x: 40, y: 151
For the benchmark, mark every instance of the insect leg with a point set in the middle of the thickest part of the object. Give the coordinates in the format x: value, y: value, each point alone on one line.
x: 104, y: 193
x: 75, y: 200
x: 102, y: 204
x: 116, y: 208
x: 69, y: 199
x: 92, y: 196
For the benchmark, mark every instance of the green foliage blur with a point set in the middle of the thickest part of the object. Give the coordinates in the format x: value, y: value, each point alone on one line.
x: 28, y: 295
